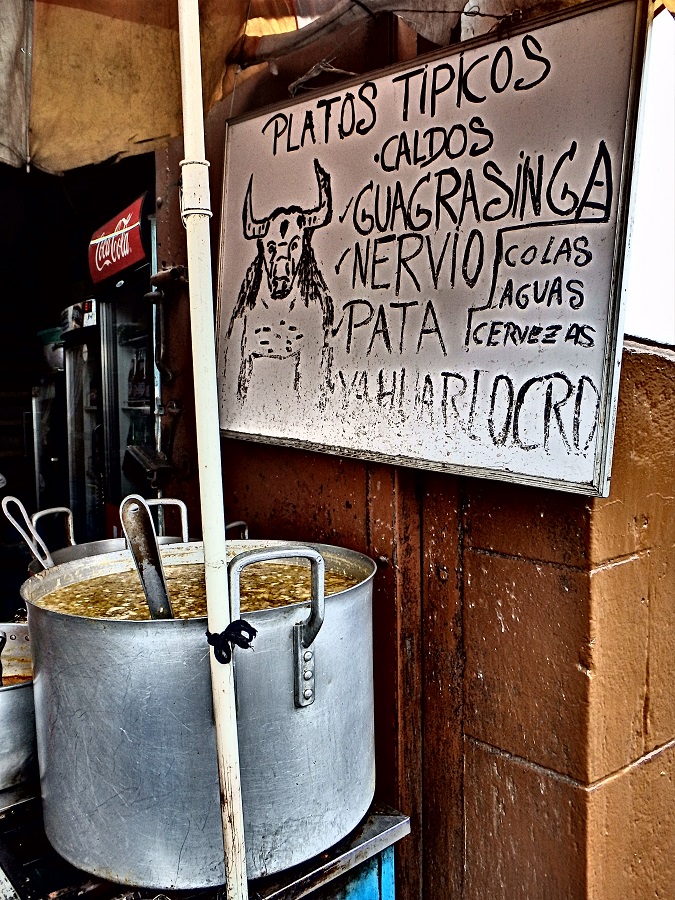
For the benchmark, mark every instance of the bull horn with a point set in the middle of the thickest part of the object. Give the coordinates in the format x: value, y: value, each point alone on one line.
x: 323, y: 213
x: 252, y: 228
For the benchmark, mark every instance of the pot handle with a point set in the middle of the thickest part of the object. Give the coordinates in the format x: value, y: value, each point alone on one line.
x: 304, y: 633
x: 166, y: 501
x: 35, y: 518
x: 35, y: 543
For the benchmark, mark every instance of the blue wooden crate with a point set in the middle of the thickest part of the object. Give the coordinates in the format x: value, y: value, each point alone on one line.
x: 372, y: 880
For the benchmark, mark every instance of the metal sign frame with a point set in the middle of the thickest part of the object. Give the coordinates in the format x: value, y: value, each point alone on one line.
x: 242, y: 199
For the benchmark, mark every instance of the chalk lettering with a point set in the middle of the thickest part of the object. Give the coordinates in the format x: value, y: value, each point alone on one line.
x: 433, y: 328
x: 363, y: 126
x: 326, y: 104
x: 528, y: 42
x: 499, y: 437
x: 565, y: 190
x: 344, y: 130
x: 381, y: 329
x: 500, y: 82
x: 424, y: 92
x: 404, y: 307
x: 549, y: 293
x: 580, y: 335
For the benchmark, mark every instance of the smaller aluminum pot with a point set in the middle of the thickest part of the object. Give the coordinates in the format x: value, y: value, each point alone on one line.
x: 126, y: 739
x: 72, y: 551
x: 18, y: 749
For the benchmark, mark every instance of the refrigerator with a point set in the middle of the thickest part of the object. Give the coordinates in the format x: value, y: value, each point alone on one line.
x: 110, y: 409
x: 112, y: 382
x: 84, y: 420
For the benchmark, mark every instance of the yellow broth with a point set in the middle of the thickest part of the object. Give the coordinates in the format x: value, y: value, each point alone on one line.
x: 120, y: 596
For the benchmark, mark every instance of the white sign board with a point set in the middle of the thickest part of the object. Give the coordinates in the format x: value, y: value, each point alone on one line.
x: 422, y: 267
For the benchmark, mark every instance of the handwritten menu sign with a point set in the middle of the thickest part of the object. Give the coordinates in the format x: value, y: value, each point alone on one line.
x: 422, y: 267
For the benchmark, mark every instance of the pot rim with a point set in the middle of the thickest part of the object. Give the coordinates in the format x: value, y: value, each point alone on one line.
x: 124, y: 556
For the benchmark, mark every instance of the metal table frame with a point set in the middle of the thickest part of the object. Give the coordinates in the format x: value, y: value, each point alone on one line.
x: 359, y: 866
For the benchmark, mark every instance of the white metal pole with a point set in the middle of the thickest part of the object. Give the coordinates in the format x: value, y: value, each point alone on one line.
x: 196, y: 212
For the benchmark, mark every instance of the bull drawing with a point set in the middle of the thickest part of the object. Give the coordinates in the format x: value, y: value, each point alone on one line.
x: 284, y: 306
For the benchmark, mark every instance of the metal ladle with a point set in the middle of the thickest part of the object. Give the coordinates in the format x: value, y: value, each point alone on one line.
x: 139, y: 530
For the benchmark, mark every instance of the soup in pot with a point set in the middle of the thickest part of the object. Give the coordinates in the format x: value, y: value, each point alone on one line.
x: 263, y: 586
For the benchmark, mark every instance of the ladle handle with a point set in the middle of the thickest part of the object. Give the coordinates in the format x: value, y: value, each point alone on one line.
x: 35, y: 543
x: 139, y: 531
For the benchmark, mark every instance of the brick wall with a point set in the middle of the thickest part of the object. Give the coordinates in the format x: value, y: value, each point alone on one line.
x: 569, y: 634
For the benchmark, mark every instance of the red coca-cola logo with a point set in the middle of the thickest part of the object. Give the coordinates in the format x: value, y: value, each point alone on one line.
x: 117, y: 244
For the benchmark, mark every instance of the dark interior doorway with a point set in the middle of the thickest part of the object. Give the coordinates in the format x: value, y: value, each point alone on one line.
x: 44, y: 235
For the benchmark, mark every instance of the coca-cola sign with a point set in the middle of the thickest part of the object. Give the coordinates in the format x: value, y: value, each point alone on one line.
x: 117, y: 244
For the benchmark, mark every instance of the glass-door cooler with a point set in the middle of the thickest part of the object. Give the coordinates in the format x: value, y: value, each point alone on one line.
x: 111, y: 381
x: 128, y: 393
x: 86, y: 439
x: 122, y: 257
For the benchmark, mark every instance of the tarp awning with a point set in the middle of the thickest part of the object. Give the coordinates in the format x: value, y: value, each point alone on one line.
x: 82, y: 81
x: 85, y: 80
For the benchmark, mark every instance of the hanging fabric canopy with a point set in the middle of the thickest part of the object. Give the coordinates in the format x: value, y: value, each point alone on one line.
x: 82, y: 81
x: 86, y: 80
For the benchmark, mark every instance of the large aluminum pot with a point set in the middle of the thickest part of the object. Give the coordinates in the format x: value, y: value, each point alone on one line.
x: 18, y: 751
x: 126, y: 738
